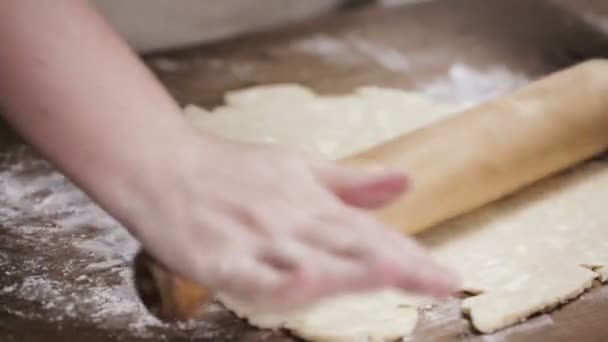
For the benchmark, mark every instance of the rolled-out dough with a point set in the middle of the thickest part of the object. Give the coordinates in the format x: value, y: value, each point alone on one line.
x: 332, y: 127
x: 522, y: 255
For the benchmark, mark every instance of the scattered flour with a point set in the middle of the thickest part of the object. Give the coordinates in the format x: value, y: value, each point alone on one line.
x: 8, y: 289
x: 467, y: 86
x: 331, y: 50
x: 31, y: 192
x: 464, y: 85
x: 384, y: 56
x: 351, y: 50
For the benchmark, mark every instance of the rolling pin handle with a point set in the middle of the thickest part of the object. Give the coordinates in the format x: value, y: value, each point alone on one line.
x: 165, y: 295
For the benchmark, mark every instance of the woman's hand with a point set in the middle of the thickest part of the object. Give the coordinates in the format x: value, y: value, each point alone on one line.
x: 265, y: 225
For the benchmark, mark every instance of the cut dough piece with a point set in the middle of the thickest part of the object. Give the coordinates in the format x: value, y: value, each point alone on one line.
x: 524, y: 254
x: 532, y: 251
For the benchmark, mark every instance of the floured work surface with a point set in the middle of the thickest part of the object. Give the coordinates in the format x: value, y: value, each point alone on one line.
x: 65, y: 265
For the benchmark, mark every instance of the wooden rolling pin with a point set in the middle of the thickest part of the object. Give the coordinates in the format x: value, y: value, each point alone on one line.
x: 458, y: 164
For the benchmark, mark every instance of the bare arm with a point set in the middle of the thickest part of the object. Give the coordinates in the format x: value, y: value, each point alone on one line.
x: 81, y: 96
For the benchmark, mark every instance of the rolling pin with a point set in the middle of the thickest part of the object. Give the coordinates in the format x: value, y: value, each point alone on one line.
x: 457, y: 165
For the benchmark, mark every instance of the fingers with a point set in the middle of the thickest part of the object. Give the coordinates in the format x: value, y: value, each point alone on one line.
x: 362, y: 188
x: 389, y: 258
x: 402, y: 261
x: 342, y: 251
x: 418, y: 273
x: 383, y: 257
x: 310, y: 273
x: 299, y: 272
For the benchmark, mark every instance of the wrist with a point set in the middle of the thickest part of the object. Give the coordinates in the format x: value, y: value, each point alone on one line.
x: 149, y: 179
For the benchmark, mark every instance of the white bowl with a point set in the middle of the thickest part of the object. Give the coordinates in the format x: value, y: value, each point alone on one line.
x: 162, y: 24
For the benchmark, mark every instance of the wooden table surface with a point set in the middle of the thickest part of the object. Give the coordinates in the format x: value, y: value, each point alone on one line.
x: 410, y: 47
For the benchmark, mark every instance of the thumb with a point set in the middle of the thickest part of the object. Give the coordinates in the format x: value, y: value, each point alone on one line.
x: 362, y: 188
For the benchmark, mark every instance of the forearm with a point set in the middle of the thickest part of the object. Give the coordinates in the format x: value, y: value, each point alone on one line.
x: 74, y: 90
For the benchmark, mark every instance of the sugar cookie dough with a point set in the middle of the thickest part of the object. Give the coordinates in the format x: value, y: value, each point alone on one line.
x: 521, y: 255
x: 332, y: 127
